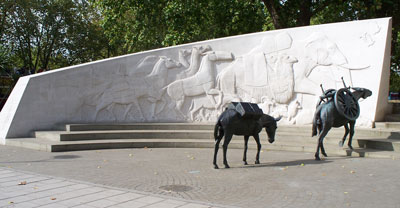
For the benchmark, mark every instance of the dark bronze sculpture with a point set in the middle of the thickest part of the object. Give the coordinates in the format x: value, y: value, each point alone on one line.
x: 336, y: 109
x: 231, y: 122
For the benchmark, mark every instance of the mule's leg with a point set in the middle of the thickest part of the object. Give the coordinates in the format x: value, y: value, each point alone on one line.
x: 257, y: 138
x: 323, y: 149
x: 246, y: 140
x: 352, y: 123
x: 228, y: 137
x: 216, y: 147
x: 319, y: 126
x: 346, y: 132
x: 322, y: 135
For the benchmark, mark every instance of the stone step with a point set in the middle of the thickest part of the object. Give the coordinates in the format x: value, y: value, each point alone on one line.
x: 152, y: 135
x: 139, y: 126
x: 339, y: 132
x: 301, y: 129
x: 388, y: 125
x: 172, y: 134
x: 380, y: 144
x: 124, y: 134
x: 392, y: 118
x: 281, y: 141
x: 51, y: 146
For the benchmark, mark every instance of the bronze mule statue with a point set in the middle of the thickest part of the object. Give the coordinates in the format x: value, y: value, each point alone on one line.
x: 340, y: 109
x: 231, y: 123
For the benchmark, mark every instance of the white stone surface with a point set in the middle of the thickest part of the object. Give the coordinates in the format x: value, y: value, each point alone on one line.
x: 280, y: 70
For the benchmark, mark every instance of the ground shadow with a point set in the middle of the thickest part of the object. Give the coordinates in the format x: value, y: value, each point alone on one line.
x: 57, y: 157
x: 288, y: 163
x: 66, y: 156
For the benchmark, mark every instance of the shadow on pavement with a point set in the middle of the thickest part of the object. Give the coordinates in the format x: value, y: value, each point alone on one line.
x: 57, y: 157
x: 66, y: 156
x: 288, y: 163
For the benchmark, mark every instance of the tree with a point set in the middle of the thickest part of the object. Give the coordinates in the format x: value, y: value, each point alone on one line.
x: 147, y: 24
x: 293, y: 13
x: 46, y: 34
x: 299, y: 13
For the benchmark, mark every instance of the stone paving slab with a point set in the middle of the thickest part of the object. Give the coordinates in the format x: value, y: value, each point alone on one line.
x: 283, y: 179
x: 33, y: 190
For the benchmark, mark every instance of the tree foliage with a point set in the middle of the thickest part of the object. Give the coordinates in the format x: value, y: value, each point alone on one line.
x: 43, y: 34
x: 145, y: 24
x: 305, y: 12
x: 48, y: 34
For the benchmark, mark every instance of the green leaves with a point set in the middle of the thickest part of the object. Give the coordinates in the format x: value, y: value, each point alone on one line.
x: 44, y: 34
x: 144, y: 25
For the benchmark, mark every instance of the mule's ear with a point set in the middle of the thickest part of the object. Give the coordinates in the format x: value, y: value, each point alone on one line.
x: 277, y: 119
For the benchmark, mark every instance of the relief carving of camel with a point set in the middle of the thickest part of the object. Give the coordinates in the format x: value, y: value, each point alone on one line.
x: 195, y: 59
x: 277, y: 82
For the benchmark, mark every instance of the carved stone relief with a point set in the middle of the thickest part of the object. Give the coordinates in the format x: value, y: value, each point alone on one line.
x: 194, y: 82
x: 202, y: 82
x: 368, y: 37
x: 192, y: 65
x: 271, y: 74
x: 127, y: 90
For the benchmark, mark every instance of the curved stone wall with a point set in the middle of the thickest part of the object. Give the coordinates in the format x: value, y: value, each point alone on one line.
x: 280, y: 70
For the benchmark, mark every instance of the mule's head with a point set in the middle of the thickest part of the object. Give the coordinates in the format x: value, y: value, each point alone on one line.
x: 360, y: 92
x: 269, y: 123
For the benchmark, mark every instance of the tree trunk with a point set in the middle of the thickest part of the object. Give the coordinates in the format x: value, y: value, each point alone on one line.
x: 304, y: 17
x: 274, y: 12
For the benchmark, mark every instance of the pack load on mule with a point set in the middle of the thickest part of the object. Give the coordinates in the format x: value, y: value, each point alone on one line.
x: 337, y: 108
x: 246, y: 110
x: 241, y: 118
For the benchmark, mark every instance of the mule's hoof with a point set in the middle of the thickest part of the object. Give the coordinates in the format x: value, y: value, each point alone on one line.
x: 257, y: 162
x: 317, y: 158
x: 341, y: 144
x: 245, y: 163
x: 216, y: 167
x: 323, y: 153
x: 227, y: 166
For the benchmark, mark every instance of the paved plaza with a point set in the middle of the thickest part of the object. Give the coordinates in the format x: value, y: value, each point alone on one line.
x: 185, y: 178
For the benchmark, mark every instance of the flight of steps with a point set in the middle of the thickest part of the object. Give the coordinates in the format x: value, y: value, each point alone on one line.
x: 395, y: 115
x: 382, y: 141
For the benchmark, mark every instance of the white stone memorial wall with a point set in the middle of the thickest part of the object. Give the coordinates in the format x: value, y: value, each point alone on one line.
x: 280, y: 70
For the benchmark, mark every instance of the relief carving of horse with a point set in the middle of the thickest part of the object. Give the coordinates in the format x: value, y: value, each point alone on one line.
x: 127, y: 90
x: 203, y: 82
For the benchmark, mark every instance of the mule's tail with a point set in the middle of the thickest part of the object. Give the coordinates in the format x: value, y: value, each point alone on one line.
x: 218, y: 131
x: 314, y: 127
x: 316, y: 121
